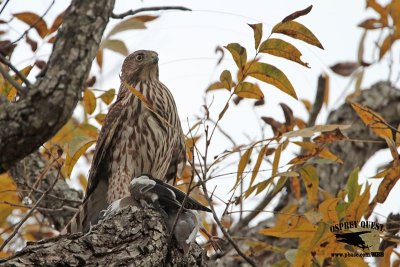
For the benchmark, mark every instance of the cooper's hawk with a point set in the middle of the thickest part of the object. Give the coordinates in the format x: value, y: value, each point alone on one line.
x: 137, y: 137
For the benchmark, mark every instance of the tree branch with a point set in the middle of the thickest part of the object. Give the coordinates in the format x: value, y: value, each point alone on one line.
x: 156, y: 8
x: 13, y: 82
x: 132, y: 237
x: 27, y: 124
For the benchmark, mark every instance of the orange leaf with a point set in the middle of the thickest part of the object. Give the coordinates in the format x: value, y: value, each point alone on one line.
x: 100, y: 118
x: 57, y: 22
x: 387, y: 184
x: 357, y: 208
x: 373, y: 120
x: 34, y: 21
x: 330, y: 137
x: 89, y: 101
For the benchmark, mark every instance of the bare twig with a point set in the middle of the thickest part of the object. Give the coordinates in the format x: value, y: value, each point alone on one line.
x: 143, y: 9
x: 15, y: 231
x: 4, y: 6
x: 13, y: 82
x: 14, y: 69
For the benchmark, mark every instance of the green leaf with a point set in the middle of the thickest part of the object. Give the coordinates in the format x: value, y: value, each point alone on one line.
x: 272, y: 75
x: 226, y: 79
x: 258, y: 31
x: 249, y: 90
x: 128, y: 24
x: 117, y: 46
x: 298, y: 31
x: 239, y: 54
x: 108, y: 96
x: 280, y: 48
x: 353, y: 188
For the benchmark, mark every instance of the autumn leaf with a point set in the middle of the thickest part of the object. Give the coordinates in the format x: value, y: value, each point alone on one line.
x: 8, y: 194
x: 238, y: 53
x: 272, y: 75
x: 226, y: 79
x: 249, y: 90
x: 89, y: 101
x: 298, y: 31
x: 387, y: 44
x: 310, y: 178
x: 77, y: 147
x: 353, y: 188
x: 100, y: 118
x: 117, y: 46
x: 281, y: 48
x: 387, y: 184
x: 357, y: 208
x: 310, y: 131
x: 244, y: 160
x: 328, y: 210
x: 108, y: 96
x: 57, y: 22
x: 215, y: 86
x: 297, y: 14
x: 256, y: 168
x: 258, y: 31
x: 345, y: 68
x: 33, y: 20
x: 373, y: 120
x: 330, y: 137
x: 128, y: 24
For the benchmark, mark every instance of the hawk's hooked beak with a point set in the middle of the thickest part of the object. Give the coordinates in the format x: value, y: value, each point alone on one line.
x: 154, y: 58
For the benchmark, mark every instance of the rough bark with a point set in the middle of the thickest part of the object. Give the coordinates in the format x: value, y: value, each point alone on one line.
x: 28, y: 123
x: 132, y: 237
x: 26, y: 173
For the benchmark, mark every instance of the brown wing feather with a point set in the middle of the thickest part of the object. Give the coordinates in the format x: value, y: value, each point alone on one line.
x: 107, y: 132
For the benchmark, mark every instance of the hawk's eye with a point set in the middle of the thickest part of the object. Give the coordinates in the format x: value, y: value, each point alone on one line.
x: 139, y: 57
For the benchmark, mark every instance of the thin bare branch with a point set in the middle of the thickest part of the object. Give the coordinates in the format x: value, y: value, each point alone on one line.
x: 4, y: 6
x: 15, y: 231
x: 14, y: 69
x: 143, y: 9
x: 13, y: 82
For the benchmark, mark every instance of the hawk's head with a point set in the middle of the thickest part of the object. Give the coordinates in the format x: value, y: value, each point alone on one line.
x: 140, y: 65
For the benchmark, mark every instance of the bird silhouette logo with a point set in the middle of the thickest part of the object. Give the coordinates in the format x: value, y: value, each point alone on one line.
x: 353, y: 239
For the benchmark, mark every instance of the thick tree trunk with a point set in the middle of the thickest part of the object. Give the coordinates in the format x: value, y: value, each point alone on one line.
x: 28, y: 123
x: 132, y: 237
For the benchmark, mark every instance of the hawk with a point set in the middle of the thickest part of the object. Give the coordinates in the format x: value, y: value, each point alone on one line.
x: 140, y: 134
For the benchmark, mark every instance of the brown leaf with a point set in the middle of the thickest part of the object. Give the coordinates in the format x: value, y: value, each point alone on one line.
x: 275, y: 125
x: 220, y: 50
x: 237, y: 100
x: 226, y: 79
x: 6, y: 48
x: 52, y: 40
x: 99, y: 58
x: 288, y: 113
x: 41, y: 64
x: 57, y: 22
x: 330, y: 137
x: 31, y: 42
x: 91, y: 81
x: 260, y: 102
x: 145, y: 18
x: 387, y: 44
x: 297, y: 14
x: 215, y: 86
x: 34, y: 21
x: 387, y: 184
x: 345, y: 68
x: 371, y: 24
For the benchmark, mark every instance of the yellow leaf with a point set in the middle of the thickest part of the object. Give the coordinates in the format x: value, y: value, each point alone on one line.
x: 272, y: 75
x: 298, y: 31
x: 77, y: 148
x: 387, y: 184
x: 258, y: 31
x: 357, y: 208
x: 99, y: 58
x: 34, y: 21
x: 100, y: 118
x: 244, y: 159
x: 373, y: 120
x: 108, y: 96
x: 353, y: 188
x: 215, y: 86
x: 8, y: 194
x: 256, y: 168
x: 307, y: 104
x: 238, y: 53
x: 310, y: 178
x: 226, y: 79
x: 83, y: 181
x: 328, y: 210
x: 89, y: 101
x: 326, y: 154
x: 249, y: 90
x: 309, y: 132
x: 117, y: 46
x: 222, y: 113
x: 280, y: 48
x: 277, y: 158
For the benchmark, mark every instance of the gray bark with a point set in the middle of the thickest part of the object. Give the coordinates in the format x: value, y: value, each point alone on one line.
x: 132, y: 237
x: 57, y: 203
x: 28, y: 123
